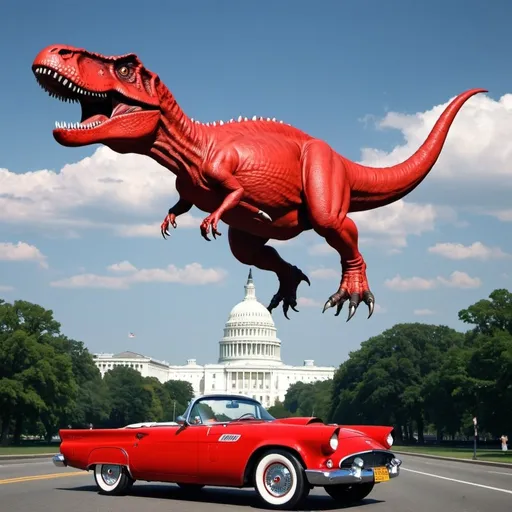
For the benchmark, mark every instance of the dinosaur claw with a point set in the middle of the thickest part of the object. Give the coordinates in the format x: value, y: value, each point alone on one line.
x: 295, y: 309
x: 369, y: 300
x: 327, y: 305
x: 370, y: 309
x: 339, y: 307
x: 306, y: 279
x: 351, y: 311
x: 266, y: 216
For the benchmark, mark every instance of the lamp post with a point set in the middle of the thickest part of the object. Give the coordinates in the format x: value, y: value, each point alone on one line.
x: 475, y: 425
x: 174, y: 410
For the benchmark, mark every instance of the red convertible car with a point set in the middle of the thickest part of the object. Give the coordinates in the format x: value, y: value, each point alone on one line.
x: 232, y: 441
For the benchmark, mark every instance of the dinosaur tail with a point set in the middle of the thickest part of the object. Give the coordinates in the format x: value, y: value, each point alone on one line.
x: 374, y: 187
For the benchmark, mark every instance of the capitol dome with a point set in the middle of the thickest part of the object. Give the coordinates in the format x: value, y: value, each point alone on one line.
x: 250, y: 334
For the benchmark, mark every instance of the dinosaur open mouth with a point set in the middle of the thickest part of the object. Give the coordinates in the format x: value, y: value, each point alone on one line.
x: 98, y: 108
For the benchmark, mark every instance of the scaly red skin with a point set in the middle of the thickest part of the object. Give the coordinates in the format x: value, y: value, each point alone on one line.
x: 265, y: 179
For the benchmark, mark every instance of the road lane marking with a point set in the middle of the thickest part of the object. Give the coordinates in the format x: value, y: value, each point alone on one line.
x: 500, y: 473
x: 32, y: 478
x: 457, y: 481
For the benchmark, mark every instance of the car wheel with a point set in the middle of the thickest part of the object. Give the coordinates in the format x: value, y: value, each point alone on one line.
x: 280, y: 480
x: 112, y: 479
x: 349, y: 493
x: 190, y: 487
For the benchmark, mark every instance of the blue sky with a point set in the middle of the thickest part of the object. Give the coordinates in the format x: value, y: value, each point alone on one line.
x: 370, y: 78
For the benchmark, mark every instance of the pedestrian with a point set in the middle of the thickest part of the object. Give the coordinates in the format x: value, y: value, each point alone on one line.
x: 504, y: 441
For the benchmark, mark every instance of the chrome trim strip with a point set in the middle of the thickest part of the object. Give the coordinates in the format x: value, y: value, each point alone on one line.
x: 59, y: 460
x: 337, y: 476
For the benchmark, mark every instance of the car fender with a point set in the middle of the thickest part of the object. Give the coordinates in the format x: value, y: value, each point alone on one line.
x: 269, y: 444
x: 108, y: 455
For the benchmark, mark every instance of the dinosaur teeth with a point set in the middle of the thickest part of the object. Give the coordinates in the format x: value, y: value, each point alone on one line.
x: 76, y: 126
x: 67, y: 83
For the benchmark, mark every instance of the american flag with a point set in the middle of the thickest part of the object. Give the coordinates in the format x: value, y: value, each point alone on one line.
x: 131, y: 335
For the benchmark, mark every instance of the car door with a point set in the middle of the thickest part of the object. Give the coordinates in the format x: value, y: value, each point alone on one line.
x: 166, y: 453
x: 226, y: 450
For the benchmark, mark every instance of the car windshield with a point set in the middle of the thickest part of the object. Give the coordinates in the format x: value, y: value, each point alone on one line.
x: 221, y: 410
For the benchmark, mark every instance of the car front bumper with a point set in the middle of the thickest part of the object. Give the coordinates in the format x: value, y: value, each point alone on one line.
x: 353, y: 475
x: 59, y: 460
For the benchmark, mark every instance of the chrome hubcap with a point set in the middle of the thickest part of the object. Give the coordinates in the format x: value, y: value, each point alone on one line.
x: 278, y: 479
x: 110, y: 474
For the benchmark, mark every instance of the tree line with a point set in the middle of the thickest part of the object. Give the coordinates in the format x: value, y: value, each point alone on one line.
x: 49, y: 381
x: 423, y: 378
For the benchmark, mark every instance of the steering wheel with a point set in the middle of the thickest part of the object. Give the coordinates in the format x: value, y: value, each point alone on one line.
x: 248, y: 414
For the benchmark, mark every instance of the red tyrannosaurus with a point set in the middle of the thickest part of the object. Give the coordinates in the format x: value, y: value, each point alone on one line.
x: 265, y: 179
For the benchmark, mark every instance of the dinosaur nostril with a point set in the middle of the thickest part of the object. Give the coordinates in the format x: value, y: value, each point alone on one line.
x: 63, y: 51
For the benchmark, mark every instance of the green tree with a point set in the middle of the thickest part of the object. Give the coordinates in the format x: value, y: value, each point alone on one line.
x: 278, y: 410
x: 181, y: 393
x: 382, y: 382
x: 490, y: 315
x: 130, y: 400
x: 37, y: 383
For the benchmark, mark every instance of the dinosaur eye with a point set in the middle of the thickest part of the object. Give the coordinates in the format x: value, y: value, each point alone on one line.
x: 123, y: 71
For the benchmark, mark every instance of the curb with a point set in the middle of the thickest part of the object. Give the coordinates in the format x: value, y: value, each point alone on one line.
x: 455, y: 459
x: 28, y: 456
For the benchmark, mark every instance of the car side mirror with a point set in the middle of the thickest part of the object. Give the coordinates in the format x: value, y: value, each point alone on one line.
x: 180, y: 420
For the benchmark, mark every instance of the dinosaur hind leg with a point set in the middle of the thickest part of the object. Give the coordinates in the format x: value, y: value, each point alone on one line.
x: 251, y: 250
x: 328, y: 197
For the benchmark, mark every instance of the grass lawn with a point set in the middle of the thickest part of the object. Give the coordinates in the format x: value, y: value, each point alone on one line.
x: 28, y: 450
x: 459, y: 453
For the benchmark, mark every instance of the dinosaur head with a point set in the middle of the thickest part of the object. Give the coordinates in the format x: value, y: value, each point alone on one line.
x: 118, y: 97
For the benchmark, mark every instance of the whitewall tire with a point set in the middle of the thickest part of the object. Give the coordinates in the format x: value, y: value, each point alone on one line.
x: 280, y: 480
x: 112, y: 478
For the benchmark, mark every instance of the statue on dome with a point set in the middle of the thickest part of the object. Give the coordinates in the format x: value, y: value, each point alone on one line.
x: 266, y: 179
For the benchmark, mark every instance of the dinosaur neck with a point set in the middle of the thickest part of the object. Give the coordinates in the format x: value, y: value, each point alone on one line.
x: 180, y: 143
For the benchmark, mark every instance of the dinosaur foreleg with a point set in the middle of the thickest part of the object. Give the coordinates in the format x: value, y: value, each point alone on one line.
x: 179, y: 208
x: 251, y: 250
x: 328, y: 198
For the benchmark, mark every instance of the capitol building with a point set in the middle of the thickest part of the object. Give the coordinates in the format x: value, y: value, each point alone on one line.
x: 249, y: 359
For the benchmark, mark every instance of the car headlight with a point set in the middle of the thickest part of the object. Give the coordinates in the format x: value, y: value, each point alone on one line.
x: 389, y: 439
x: 333, y: 442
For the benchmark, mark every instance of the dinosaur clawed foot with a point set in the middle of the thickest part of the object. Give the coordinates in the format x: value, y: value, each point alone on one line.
x: 354, y: 288
x: 287, y: 293
x: 170, y: 220
x: 212, y: 220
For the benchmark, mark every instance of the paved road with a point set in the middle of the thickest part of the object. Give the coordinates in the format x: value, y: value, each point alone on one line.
x: 423, y: 486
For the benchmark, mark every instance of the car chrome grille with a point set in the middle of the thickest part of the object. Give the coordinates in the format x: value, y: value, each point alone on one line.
x: 371, y: 459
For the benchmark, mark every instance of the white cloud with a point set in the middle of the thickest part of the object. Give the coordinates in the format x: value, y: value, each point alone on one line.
x: 476, y: 159
x: 457, y: 279
x: 106, y: 180
x: 478, y: 146
x: 6, y: 288
x: 503, y: 215
x: 477, y: 250
x: 423, y: 312
x: 123, y: 266
x: 307, y: 302
x: 191, y: 274
x: 395, y: 222
x: 325, y: 273
x: 22, y: 252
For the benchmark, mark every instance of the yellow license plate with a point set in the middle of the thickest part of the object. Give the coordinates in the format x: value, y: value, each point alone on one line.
x: 381, y: 474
